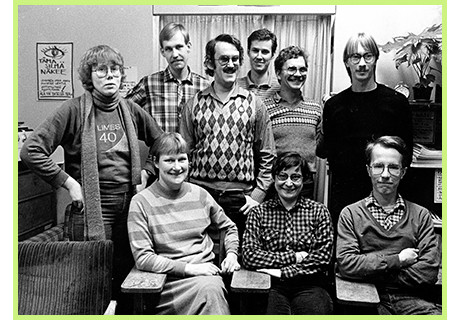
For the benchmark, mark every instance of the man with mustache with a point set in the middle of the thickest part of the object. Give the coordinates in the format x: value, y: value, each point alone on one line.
x: 262, y: 45
x: 162, y: 93
x: 295, y: 120
x: 387, y: 240
x: 355, y: 116
x: 229, y: 134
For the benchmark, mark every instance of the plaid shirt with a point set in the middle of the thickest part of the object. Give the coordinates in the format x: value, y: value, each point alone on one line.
x: 386, y: 220
x: 162, y: 96
x: 273, y: 235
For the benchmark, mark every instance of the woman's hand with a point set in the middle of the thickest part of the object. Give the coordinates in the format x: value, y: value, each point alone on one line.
x: 250, y: 203
x: 74, y: 189
x: 201, y: 269
x: 144, y: 179
x: 230, y: 263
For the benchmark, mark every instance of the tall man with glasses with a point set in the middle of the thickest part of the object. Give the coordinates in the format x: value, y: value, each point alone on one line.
x: 262, y: 44
x: 387, y: 240
x: 229, y: 134
x: 296, y: 121
x: 355, y: 116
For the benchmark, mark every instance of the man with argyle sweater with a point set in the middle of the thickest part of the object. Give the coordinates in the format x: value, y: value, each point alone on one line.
x: 229, y: 134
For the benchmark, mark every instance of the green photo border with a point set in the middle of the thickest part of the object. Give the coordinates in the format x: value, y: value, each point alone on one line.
x: 17, y: 3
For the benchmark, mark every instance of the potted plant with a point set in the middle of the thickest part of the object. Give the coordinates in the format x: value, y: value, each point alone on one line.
x: 419, y: 51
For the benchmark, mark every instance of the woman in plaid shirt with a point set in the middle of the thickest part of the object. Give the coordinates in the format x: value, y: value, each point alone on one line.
x: 290, y: 237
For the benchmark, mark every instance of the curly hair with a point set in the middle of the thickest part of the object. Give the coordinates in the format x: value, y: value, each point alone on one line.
x: 101, y: 54
x: 290, y: 52
x: 211, y: 50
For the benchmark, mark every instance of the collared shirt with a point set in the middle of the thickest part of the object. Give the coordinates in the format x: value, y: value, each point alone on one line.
x: 229, y: 140
x: 386, y: 219
x: 273, y: 235
x: 162, y: 96
x: 264, y: 90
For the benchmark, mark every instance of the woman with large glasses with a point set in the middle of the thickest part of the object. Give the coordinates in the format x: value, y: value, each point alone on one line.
x: 295, y: 119
x: 290, y: 237
x: 99, y: 133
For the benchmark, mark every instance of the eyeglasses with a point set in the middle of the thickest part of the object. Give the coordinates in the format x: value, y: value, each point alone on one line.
x: 295, y: 177
x: 224, y: 60
x: 378, y: 168
x: 102, y: 70
x: 355, y: 58
x: 293, y: 70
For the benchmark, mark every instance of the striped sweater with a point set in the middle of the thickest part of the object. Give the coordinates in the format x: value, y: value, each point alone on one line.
x: 169, y: 229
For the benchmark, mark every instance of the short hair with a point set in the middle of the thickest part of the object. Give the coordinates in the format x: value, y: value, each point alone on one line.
x: 263, y: 35
x: 211, y: 50
x: 170, y: 30
x: 389, y: 142
x: 101, y: 54
x: 290, y: 159
x: 290, y: 52
x: 366, y: 41
x: 169, y: 143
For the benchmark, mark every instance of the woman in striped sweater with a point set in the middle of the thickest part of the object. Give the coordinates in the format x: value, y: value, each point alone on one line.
x: 168, y: 228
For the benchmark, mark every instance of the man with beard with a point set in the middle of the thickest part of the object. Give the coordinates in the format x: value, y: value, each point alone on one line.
x: 355, y: 116
x: 387, y: 240
x: 295, y: 120
x: 162, y: 93
x: 262, y: 45
x: 230, y: 135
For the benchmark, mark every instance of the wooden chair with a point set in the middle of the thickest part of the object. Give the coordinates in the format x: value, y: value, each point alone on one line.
x: 64, y: 277
x: 144, y: 284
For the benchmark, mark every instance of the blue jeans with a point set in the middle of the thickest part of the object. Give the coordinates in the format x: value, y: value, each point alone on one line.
x: 116, y: 206
x: 406, y: 304
x: 301, y: 295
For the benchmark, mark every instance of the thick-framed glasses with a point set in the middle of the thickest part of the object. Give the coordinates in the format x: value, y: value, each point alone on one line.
x: 378, y: 168
x: 102, y: 70
x: 355, y: 58
x: 295, y: 177
x: 293, y: 70
x: 224, y: 60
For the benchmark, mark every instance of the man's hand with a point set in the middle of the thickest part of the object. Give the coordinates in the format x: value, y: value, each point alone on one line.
x: 201, y: 269
x: 272, y: 272
x: 74, y: 189
x: 299, y: 256
x: 250, y: 203
x: 408, y: 256
x: 144, y: 179
x: 230, y: 263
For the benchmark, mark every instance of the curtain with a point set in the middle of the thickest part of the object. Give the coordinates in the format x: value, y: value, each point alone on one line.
x: 313, y: 33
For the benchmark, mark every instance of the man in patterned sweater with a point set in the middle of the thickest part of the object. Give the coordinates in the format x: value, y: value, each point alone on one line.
x: 296, y: 121
x: 387, y: 240
x: 229, y: 134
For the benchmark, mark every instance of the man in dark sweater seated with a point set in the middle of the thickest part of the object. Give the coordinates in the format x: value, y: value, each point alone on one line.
x: 387, y: 240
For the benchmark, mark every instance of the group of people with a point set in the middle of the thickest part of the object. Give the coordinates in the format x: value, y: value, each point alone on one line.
x: 237, y: 154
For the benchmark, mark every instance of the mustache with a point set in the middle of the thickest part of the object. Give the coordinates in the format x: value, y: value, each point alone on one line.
x: 230, y: 69
x: 299, y: 78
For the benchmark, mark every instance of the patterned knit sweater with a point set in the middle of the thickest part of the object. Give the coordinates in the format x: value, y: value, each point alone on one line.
x: 295, y: 127
x: 169, y: 229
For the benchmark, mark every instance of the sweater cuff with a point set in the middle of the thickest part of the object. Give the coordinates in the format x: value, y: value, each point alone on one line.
x: 179, y: 269
x: 393, y: 262
x: 258, y: 195
x: 59, y: 179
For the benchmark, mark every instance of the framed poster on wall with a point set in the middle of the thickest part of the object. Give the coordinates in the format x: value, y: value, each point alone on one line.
x: 54, y: 71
